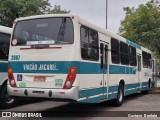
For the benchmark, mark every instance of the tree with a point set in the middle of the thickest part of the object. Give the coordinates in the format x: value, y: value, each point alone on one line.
x: 57, y: 10
x: 10, y: 9
x: 142, y: 25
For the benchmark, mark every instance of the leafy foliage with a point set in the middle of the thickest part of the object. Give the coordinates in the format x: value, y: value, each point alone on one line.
x: 57, y: 10
x: 142, y: 25
x: 10, y: 9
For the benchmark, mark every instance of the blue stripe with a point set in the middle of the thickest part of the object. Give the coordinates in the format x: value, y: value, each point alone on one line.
x: 129, y: 86
x: 133, y: 44
x: 62, y: 67
x: 144, y: 83
x: 3, y: 67
x: 97, y: 99
x: 112, y: 96
x: 130, y: 92
x: 96, y: 91
x: 90, y: 92
x: 90, y: 68
x: 113, y: 88
x: 115, y: 69
x: 144, y: 88
x: 91, y: 100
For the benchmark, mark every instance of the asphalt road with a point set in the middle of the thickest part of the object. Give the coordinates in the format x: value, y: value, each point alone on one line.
x: 136, y: 102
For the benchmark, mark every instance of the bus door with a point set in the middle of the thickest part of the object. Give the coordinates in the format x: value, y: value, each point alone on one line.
x: 154, y: 77
x: 104, y: 69
x: 139, y: 70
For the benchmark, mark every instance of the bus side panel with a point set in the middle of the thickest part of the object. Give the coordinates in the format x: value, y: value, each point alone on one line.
x: 125, y: 73
x: 146, y: 75
x: 89, y: 82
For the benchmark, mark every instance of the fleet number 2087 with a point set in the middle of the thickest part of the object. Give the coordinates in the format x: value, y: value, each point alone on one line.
x: 15, y: 57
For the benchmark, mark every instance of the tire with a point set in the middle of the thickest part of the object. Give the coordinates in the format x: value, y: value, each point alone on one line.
x: 5, y: 100
x: 120, y: 96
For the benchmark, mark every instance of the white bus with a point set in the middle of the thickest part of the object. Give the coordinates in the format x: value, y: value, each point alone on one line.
x: 5, y: 34
x: 65, y: 57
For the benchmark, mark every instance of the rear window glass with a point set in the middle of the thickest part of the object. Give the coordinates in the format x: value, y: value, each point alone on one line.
x: 43, y: 31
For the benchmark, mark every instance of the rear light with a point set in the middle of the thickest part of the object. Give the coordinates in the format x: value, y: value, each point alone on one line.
x: 11, y: 78
x: 70, y: 78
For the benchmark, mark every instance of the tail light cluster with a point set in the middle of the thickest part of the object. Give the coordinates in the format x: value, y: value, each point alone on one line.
x: 70, y: 78
x: 11, y: 79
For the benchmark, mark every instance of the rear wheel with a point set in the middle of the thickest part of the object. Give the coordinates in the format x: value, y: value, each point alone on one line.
x: 120, y: 96
x: 5, y: 100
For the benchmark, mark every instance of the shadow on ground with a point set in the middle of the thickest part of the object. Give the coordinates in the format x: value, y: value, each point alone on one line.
x: 24, y: 102
x: 104, y: 109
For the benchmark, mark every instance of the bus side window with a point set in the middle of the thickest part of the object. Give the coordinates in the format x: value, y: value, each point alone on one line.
x: 84, y: 42
x: 145, y: 59
x: 124, y: 53
x: 132, y: 56
x: 93, y: 40
x: 115, y: 51
x: 149, y: 61
x: 4, y: 51
x: 89, y: 44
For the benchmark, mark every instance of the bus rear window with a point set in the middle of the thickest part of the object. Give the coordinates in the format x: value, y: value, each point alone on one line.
x: 43, y: 31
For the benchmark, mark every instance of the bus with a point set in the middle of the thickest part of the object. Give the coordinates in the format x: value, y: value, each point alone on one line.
x: 65, y: 57
x: 5, y: 34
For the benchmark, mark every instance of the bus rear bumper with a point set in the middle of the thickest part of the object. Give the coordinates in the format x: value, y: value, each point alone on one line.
x: 71, y: 94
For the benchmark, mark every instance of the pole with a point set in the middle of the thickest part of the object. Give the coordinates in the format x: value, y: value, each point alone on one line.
x: 106, y: 12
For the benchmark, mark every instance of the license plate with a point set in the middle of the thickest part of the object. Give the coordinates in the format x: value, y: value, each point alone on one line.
x: 39, y: 79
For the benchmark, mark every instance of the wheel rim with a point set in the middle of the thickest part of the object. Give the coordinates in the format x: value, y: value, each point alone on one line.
x: 120, y: 95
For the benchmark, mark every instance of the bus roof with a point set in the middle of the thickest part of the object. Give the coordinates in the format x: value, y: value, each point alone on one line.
x: 89, y: 24
x: 4, y: 29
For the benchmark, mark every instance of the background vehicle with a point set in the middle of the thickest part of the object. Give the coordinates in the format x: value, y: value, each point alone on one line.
x: 5, y: 34
x: 66, y: 57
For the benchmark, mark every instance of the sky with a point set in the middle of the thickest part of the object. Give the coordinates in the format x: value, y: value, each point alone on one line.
x: 95, y: 10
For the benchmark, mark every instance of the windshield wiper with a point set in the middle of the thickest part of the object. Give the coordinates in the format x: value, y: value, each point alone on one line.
x: 62, y: 30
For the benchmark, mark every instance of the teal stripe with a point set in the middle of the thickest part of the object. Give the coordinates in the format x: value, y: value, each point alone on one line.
x: 144, y: 83
x: 96, y: 91
x: 133, y: 44
x: 97, y: 99
x: 3, y: 67
x: 115, y: 69
x: 129, y: 86
x: 91, y: 100
x: 90, y: 68
x: 90, y: 92
x: 62, y: 67
x: 112, y: 96
x: 113, y: 88
x: 144, y: 88
x: 130, y: 92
